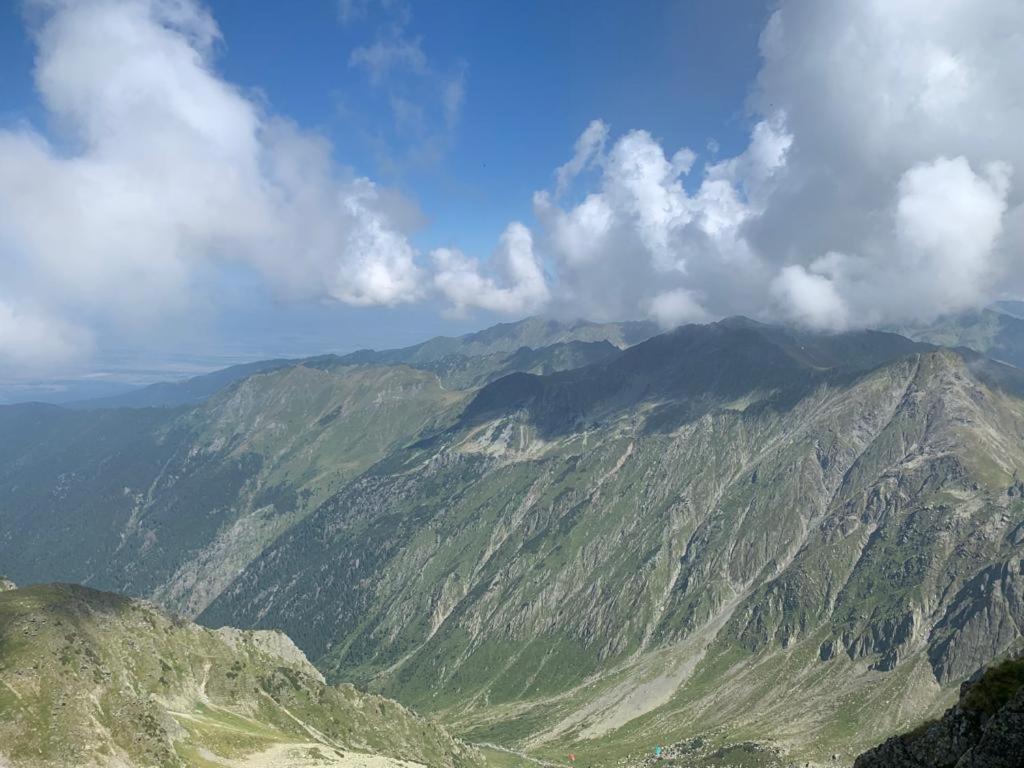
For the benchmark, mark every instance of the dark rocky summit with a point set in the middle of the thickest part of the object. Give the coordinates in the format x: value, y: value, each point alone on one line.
x: 985, y: 729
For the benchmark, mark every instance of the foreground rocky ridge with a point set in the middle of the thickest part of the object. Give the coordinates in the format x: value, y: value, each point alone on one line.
x: 94, y: 679
x: 985, y: 729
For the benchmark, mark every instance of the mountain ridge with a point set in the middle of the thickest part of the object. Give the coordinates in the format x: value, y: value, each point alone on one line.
x: 764, y: 531
x: 429, y: 558
x: 93, y: 678
x: 532, y: 333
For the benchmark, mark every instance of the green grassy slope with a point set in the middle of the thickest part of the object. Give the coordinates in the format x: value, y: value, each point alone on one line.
x: 173, y: 504
x: 92, y: 678
x: 507, y: 338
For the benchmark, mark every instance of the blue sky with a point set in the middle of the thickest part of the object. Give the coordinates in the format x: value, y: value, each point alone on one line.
x: 534, y: 76
x: 185, y: 183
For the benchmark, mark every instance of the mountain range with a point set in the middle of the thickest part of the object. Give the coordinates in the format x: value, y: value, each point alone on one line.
x: 572, y: 537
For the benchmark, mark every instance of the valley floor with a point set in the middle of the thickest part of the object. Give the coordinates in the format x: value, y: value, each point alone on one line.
x: 307, y: 755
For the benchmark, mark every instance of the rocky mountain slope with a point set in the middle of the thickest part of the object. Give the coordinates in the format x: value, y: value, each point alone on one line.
x: 93, y: 679
x: 730, y: 529
x: 731, y: 537
x: 172, y: 504
x: 985, y: 729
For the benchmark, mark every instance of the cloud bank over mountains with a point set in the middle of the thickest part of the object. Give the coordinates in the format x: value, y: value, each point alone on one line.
x: 878, y: 186
x: 881, y: 184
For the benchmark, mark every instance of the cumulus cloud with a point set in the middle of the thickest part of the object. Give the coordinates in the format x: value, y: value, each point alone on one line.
x: 676, y: 307
x: 641, y: 243
x: 878, y: 186
x: 33, y: 342
x: 518, y: 287
x: 809, y: 297
x: 164, y: 169
x: 905, y: 126
x: 881, y: 183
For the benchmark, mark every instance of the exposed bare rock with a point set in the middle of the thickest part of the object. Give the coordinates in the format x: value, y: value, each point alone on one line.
x: 985, y: 729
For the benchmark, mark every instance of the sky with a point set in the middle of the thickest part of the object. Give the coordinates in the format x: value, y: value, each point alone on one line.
x: 186, y: 184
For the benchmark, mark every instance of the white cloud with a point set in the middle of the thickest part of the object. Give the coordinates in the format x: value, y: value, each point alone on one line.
x: 676, y: 307
x: 387, y: 55
x: 589, y: 148
x: 641, y: 244
x: 518, y: 287
x: 167, y: 170
x: 905, y: 122
x: 950, y: 218
x: 33, y: 342
x: 809, y: 298
x: 878, y: 185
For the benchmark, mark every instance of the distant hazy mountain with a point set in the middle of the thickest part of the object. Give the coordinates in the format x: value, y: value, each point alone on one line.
x: 91, y: 678
x: 176, y: 393
x: 997, y: 333
x: 1015, y: 308
x: 60, y: 391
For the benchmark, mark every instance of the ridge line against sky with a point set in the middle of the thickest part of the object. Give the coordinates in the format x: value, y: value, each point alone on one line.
x: 145, y: 194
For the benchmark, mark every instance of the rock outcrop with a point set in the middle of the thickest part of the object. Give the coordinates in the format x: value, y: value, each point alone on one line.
x: 94, y: 679
x: 985, y: 729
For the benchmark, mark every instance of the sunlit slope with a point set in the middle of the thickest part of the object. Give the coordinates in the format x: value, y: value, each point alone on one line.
x: 93, y: 679
x: 174, y: 504
x: 730, y: 530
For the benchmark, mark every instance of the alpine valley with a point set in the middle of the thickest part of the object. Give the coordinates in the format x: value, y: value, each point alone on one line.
x: 744, y: 544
